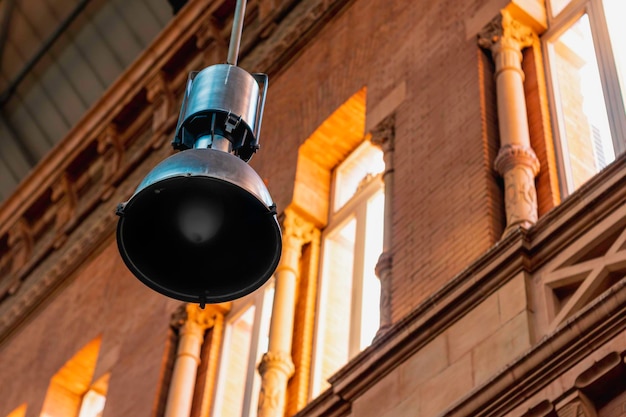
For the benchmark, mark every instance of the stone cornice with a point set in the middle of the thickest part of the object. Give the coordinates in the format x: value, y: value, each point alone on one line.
x: 434, y: 315
x: 62, y: 211
x: 590, y: 328
x: 522, y: 250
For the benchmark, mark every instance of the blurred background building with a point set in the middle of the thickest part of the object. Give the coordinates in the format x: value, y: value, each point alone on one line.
x: 449, y: 180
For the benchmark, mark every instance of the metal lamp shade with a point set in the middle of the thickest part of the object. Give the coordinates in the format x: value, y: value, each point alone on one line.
x: 236, y: 257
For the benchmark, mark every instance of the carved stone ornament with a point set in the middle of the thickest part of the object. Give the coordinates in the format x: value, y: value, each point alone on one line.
x: 112, y: 151
x: 520, y: 197
x: 510, y: 156
x: 20, y: 244
x: 161, y: 97
x: 297, y: 231
x: 275, y: 369
x: 192, y: 315
x: 384, y: 134
x: 65, y: 198
x: 505, y: 31
x: 383, y: 272
x: 277, y: 360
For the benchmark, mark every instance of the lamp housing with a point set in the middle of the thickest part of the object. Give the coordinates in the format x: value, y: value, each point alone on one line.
x: 201, y: 227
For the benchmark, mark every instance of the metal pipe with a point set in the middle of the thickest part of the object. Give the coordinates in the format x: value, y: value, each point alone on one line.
x: 235, y: 35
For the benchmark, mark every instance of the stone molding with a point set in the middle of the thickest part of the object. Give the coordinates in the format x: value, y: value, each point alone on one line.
x: 277, y: 360
x: 510, y: 156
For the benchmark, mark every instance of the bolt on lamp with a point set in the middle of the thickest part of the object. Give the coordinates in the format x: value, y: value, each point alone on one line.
x: 201, y: 226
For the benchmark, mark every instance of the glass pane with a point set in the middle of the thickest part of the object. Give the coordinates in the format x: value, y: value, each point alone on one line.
x: 370, y: 311
x: 615, y: 11
x: 234, y: 368
x: 262, y: 347
x: 585, y: 136
x: 557, y: 5
x: 362, y: 164
x: 92, y: 405
x: 337, y: 278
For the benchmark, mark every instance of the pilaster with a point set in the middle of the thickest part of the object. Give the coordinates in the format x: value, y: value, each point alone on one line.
x: 191, y: 322
x: 516, y: 161
x: 383, y: 136
x: 277, y: 365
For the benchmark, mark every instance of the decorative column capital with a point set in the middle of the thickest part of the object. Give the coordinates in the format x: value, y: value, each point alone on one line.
x: 384, y: 134
x: 510, y: 156
x: 505, y: 37
x: 192, y: 316
x: 297, y: 231
x: 505, y: 32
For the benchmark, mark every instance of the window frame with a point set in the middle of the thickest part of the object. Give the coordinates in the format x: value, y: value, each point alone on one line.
x: 354, y: 208
x: 262, y: 302
x: 609, y: 79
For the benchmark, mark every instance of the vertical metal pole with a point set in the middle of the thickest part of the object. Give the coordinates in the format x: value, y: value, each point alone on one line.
x: 235, y: 35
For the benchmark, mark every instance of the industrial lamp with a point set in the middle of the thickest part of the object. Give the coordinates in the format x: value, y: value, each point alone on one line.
x: 201, y: 226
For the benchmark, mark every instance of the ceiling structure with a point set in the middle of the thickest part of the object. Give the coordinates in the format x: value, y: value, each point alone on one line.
x: 57, y: 57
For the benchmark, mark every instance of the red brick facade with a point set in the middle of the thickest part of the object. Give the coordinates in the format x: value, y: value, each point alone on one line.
x: 476, y: 331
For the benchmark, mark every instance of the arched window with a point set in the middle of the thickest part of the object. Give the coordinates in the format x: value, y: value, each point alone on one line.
x: 72, y: 391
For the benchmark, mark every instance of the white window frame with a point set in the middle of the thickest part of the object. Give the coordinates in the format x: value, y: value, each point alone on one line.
x: 354, y: 208
x: 609, y: 79
x: 262, y: 302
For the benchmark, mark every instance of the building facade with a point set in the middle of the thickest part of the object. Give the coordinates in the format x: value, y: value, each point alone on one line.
x: 449, y: 181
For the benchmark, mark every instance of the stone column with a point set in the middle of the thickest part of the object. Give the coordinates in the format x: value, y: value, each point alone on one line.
x: 383, y: 136
x: 277, y: 367
x: 192, y: 323
x: 516, y: 161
